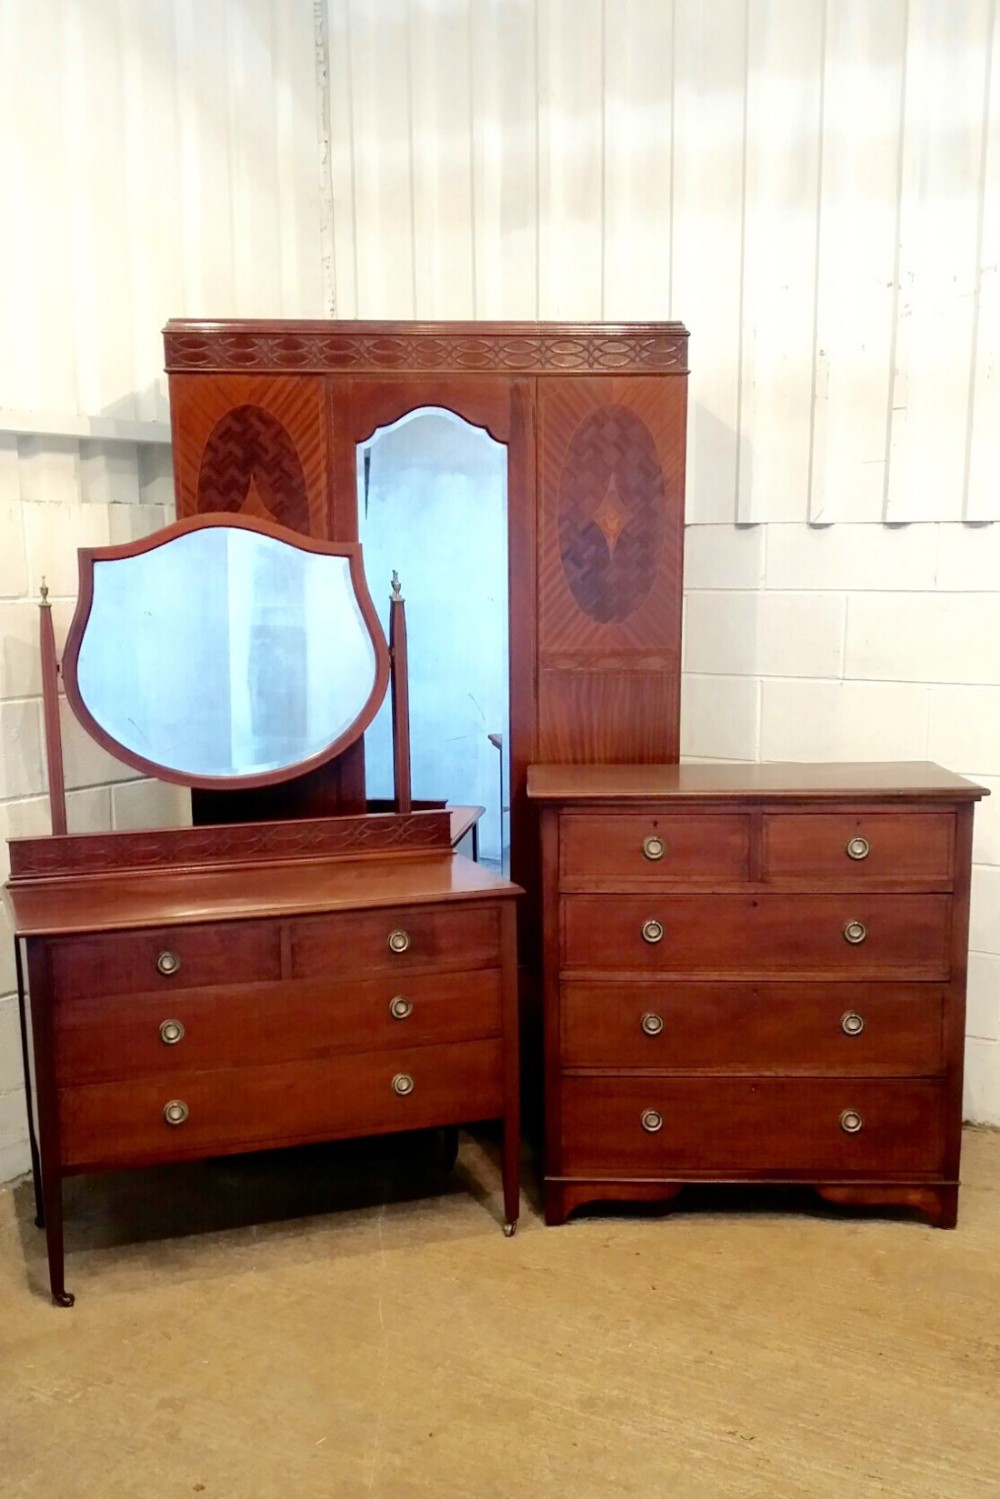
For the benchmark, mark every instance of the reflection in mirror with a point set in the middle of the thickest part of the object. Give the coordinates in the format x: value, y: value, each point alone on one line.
x: 225, y: 652
x: 432, y: 503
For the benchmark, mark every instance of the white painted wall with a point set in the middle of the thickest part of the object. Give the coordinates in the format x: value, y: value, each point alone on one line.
x: 811, y: 185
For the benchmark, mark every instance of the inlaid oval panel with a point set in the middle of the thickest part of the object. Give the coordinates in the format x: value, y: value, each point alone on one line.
x: 612, y: 504
x: 250, y: 464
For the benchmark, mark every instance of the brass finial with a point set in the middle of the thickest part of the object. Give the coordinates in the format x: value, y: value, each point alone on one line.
x: 397, y: 593
x: 44, y: 591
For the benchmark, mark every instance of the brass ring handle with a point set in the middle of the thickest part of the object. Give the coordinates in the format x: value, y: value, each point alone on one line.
x: 398, y: 940
x: 400, y: 1008
x: 653, y: 847
x: 851, y: 1023
x: 851, y: 1121
x: 176, y: 1111
x: 857, y: 848
x: 652, y: 1023
x: 171, y: 1031
x: 652, y: 931
x: 651, y: 1120
x: 855, y: 932
x: 167, y: 963
x: 402, y: 1084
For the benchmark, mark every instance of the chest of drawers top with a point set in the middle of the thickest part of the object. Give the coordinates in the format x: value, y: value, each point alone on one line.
x: 882, y: 826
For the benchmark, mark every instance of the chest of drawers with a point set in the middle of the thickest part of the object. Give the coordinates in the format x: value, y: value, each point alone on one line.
x: 754, y: 973
x: 239, y: 1009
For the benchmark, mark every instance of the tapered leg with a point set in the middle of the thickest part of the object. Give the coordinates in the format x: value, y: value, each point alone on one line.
x: 512, y: 1074
x: 511, y: 1173
x: 36, y: 1168
x: 52, y: 1193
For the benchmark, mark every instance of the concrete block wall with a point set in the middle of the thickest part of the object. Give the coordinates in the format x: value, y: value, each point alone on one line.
x: 860, y: 642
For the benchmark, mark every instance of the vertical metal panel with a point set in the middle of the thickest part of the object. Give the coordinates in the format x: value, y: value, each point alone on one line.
x: 710, y: 67
x: 442, y: 150
x: 983, y: 499
x: 947, y: 75
x: 784, y: 100
x: 570, y: 159
x: 858, y: 217
x: 638, y: 158
x: 504, y: 112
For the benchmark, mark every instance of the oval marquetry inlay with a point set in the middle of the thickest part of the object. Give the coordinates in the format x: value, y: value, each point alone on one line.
x: 250, y: 464
x: 611, y: 514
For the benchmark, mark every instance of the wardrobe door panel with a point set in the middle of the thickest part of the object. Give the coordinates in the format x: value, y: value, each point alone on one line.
x: 611, y: 518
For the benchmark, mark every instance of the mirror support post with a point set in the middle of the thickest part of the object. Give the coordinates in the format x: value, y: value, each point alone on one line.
x: 50, y: 706
x: 400, y: 698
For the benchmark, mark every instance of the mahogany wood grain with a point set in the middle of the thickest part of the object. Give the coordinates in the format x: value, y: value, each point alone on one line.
x: 98, y: 1040
x: 902, y: 847
x: 423, y: 832
x: 766, y: 1023
x: 724, y: 1126
x: 245, y: 891
x: 694, y: 848
x: 126, y: 962
x: 280, y: 1103
x: 50, y: 716
x: 886, y: 782
x: 778, y: 1028
x: 464, y: 937
x: 938, y: 1206
x: 759, y: 936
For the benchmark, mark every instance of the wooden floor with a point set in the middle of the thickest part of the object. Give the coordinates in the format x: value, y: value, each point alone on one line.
x: 395, y: 1344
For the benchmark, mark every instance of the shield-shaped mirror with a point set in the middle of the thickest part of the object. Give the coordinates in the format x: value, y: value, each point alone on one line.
x: 225, y: 651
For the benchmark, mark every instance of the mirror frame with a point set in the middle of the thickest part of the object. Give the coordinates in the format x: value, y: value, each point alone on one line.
x: 88, y: 556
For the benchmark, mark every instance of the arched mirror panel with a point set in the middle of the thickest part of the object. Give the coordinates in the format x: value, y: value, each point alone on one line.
x: 432, y: 504
x: 225, y: 651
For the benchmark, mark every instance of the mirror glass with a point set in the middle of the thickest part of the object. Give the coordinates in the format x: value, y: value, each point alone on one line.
x: 224, y: 652
x: 432, y: 504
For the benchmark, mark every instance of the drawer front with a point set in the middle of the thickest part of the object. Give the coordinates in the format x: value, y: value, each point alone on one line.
x: 123, y: 1123
x: 901, y: 936
x: 193, y: 1030
x: 670, y: 846
x: 731, y: 1127
x: 860, y: 847
x: 854, y: 1029
x: 395, y: 940
x: 165, y: 959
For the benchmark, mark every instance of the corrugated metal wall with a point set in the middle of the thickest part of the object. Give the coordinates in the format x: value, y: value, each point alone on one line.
x: 813, y: 186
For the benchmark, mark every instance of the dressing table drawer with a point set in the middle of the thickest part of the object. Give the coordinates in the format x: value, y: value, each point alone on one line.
x: 855, y: 1029
x: 98, y: 1039
x: 393, y: 940
x: 164, y: 959
x: 860, y: 935
x: 762, y: 1127
x: 860, y: 848
x: 654, y: 846
x: 204, y: 1113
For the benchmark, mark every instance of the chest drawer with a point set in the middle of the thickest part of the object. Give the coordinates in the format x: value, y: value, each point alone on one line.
x: 860, y: 848
x: 662, y: 846
x: 164, y: 959
x: 656, y: 1127
x: 100, y: 1039
x: 109, y: 1124
x: 395, y: 940
x: 759, y: 935
x: 856, y: 1029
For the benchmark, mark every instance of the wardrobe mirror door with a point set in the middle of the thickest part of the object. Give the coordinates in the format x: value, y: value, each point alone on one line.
x: 432, y: 505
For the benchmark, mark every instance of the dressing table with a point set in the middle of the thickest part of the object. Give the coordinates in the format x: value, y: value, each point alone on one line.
x: 215, y: 989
